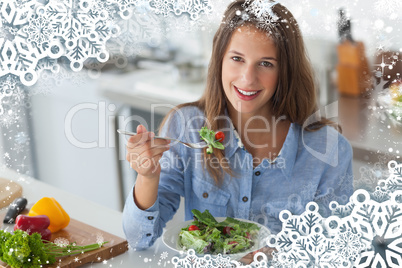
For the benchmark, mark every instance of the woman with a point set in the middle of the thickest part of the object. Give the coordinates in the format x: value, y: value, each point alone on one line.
x: 278, y: 153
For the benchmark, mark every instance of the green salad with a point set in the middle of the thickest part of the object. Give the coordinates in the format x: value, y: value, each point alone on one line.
x: 208, y: 236
x: 212, y: 139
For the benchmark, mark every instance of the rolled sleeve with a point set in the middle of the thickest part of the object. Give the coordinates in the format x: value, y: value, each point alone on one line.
x: 139, y: 225
x: 143, y: 227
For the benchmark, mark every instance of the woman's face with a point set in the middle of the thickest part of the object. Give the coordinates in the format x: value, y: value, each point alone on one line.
x: 250, y: 71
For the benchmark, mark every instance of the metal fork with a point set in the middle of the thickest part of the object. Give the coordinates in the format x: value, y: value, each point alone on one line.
x: 198, y: 145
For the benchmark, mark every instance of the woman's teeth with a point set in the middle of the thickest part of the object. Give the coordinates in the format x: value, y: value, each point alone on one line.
x: 247, y: 93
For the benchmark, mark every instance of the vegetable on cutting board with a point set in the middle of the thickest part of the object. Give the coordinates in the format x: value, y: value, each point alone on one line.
x: 48, y: 206
x: 34, y: 224
x: 23, y: 250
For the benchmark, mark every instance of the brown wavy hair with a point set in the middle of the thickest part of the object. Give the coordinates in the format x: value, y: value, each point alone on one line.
x: 295, y: 96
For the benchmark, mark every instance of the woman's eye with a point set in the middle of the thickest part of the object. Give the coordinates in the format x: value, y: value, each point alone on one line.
x: 266, y: 64
x: 235, y: 58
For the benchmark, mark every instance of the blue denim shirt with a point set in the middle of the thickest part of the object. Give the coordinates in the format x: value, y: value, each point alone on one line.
x: 312, y: 166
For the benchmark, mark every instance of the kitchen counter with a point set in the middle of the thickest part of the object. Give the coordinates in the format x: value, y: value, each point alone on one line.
x: 369, y: 131
x: 144, y: 89
x: 95, y: 215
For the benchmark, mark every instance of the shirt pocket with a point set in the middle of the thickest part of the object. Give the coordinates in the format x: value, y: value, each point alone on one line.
x: 209, y: 196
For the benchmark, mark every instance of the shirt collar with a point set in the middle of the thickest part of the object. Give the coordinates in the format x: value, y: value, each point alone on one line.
x: 287, y: 154
x: 289, y: 150
x: 233, y: 141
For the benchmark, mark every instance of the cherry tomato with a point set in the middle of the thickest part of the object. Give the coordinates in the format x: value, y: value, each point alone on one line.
x: 193, y: 228
x: 219, y: 136
x: 226, y: 230
x: 248, y: 235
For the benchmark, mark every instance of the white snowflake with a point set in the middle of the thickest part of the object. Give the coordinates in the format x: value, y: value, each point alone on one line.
x: 207, y: 261
x: 39, y: 30
x: 163, y: 7
x: 387, y: 7
x: 10, y: 116
x: 21, y: 138
x: 194, y: 8
x: 19, y: 148
x: 369, y: 177
x: 348, y: 244
x: 262, y: 9
x: 164, y: 255
x: 379, y: 195
x: 7, y: 86
x: 34, y: 34
x: 61, y: 242
x: 100, y: 239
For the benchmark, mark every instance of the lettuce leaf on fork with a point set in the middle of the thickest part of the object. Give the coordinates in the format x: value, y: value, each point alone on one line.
x: 209, y: 137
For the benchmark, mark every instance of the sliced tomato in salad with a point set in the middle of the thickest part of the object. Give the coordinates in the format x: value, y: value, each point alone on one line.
x: 193, y: 228
x: 226, y: 230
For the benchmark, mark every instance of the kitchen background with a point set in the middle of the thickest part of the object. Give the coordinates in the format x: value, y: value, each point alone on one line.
x: 65, y: 132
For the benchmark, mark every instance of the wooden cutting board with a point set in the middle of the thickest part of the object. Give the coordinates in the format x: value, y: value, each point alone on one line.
x: 84, y: 234
x: 9, y: 191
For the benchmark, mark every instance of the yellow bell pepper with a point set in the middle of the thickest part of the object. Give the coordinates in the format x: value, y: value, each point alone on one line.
x: 48, y: 206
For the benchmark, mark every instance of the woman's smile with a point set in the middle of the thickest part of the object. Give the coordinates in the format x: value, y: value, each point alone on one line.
x: 246, y: 95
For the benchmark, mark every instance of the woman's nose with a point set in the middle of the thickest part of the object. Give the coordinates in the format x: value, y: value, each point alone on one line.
x: 249, y: 74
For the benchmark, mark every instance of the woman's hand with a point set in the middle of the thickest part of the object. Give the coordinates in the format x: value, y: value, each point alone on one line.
x: 144, y: 153
x: 249, y: 258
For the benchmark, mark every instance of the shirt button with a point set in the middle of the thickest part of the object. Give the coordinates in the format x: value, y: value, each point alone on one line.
x: 257, y: 173
x: 205, y: 195
x: 148, y: 234
x: 150, y: 218
x: 245, y: 199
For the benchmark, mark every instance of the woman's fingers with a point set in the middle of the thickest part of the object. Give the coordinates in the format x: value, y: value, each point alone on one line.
x: 149, y: 144
x: 141, y: 129
x: 157, y: 149
x: 144, y: 152
x: 139, y: 139
x: 249, y: 258
x: 144, y: 159
x: 148, y: 152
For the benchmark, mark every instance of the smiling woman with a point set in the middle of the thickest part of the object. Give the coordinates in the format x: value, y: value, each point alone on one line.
x: 278, y: 153
x: 250, y: 71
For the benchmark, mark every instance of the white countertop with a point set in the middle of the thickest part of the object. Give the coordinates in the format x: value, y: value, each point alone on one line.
x: 93, y: 214
x: 368, y: 131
